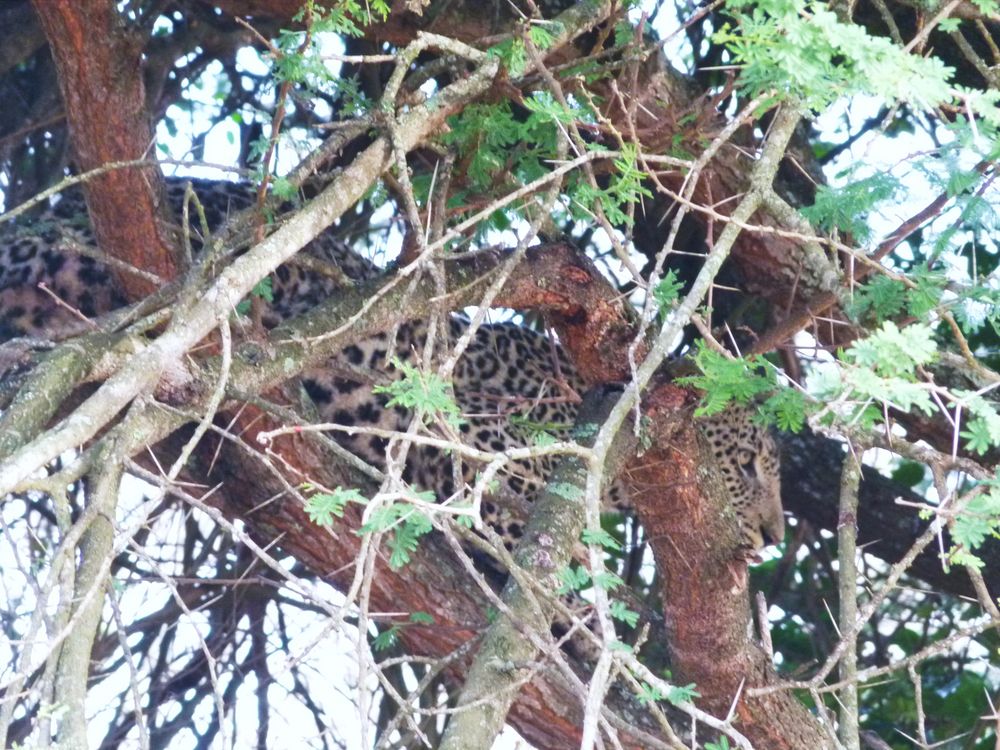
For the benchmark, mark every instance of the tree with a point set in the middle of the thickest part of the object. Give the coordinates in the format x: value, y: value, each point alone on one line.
x: 794, y: 199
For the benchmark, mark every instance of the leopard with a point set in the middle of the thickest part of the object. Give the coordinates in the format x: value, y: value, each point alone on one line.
x: 512, y: 384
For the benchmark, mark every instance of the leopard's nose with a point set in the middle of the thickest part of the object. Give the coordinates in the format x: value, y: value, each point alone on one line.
x: 772, y: 530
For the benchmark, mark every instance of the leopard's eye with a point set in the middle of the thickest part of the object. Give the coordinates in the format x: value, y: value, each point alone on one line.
x: 745, y: 459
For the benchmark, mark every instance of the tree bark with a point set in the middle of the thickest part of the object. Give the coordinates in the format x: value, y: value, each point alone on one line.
x: 693, y: 533
x: 100, y: 76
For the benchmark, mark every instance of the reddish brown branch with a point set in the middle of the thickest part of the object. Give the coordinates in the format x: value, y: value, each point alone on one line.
x: 100, y: 76
x: 681, y: 505
x: 705, y: 588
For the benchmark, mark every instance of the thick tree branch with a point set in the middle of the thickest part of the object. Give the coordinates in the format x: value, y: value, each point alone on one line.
x: 90, y: 579
x: 682, y: 506
x: 101, y: 79
x: 557, y: 520
x: 696, y: 585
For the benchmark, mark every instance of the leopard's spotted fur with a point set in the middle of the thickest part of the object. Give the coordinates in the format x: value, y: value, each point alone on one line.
x: 509, y: 380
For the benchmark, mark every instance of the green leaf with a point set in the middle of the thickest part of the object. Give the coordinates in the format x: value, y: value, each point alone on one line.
x: 386, y: 639
x: 926, y: 295
x: 543, y: 439
x: 263, y: 289
x: 724, y: 380
x: 540, y: 36
x: 678, y: 695
x: 786, y: 408
x: 895, y: 352
x: 421, y: 618
x: 882, y: 297
x: 624, y: 34
x: 982, y: 431
x: 573, y: 579
x: 650, y: 693
x: 323, y: 507
x: 513, y: 55
x: 405, y: 525
x: 909, y: 473
x: 406, y: 538
x: 608, y: 581
x: 425, y: 391
x: 539, y: 433
x: 497, y: 145
x: 282, y: 187
x: 802, y: 50
x: 978, y: 521
x: 904, y: 394
x: 543, y: 103
x: 846, y: 208
x: 464, y: 520
x: 961, y: 180
x: 825, y: 382
x: 665, y: 293
x: 626, y: 187
x: 623, y: 614
x: 961, y: 556
x: 977, y: 436
x: 601, y: 538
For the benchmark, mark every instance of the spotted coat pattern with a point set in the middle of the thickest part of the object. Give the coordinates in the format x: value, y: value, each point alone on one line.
x: 510, y: 383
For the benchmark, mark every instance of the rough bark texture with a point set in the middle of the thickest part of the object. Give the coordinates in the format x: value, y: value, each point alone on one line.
x: 100, y: 76
x: 692, y: 531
